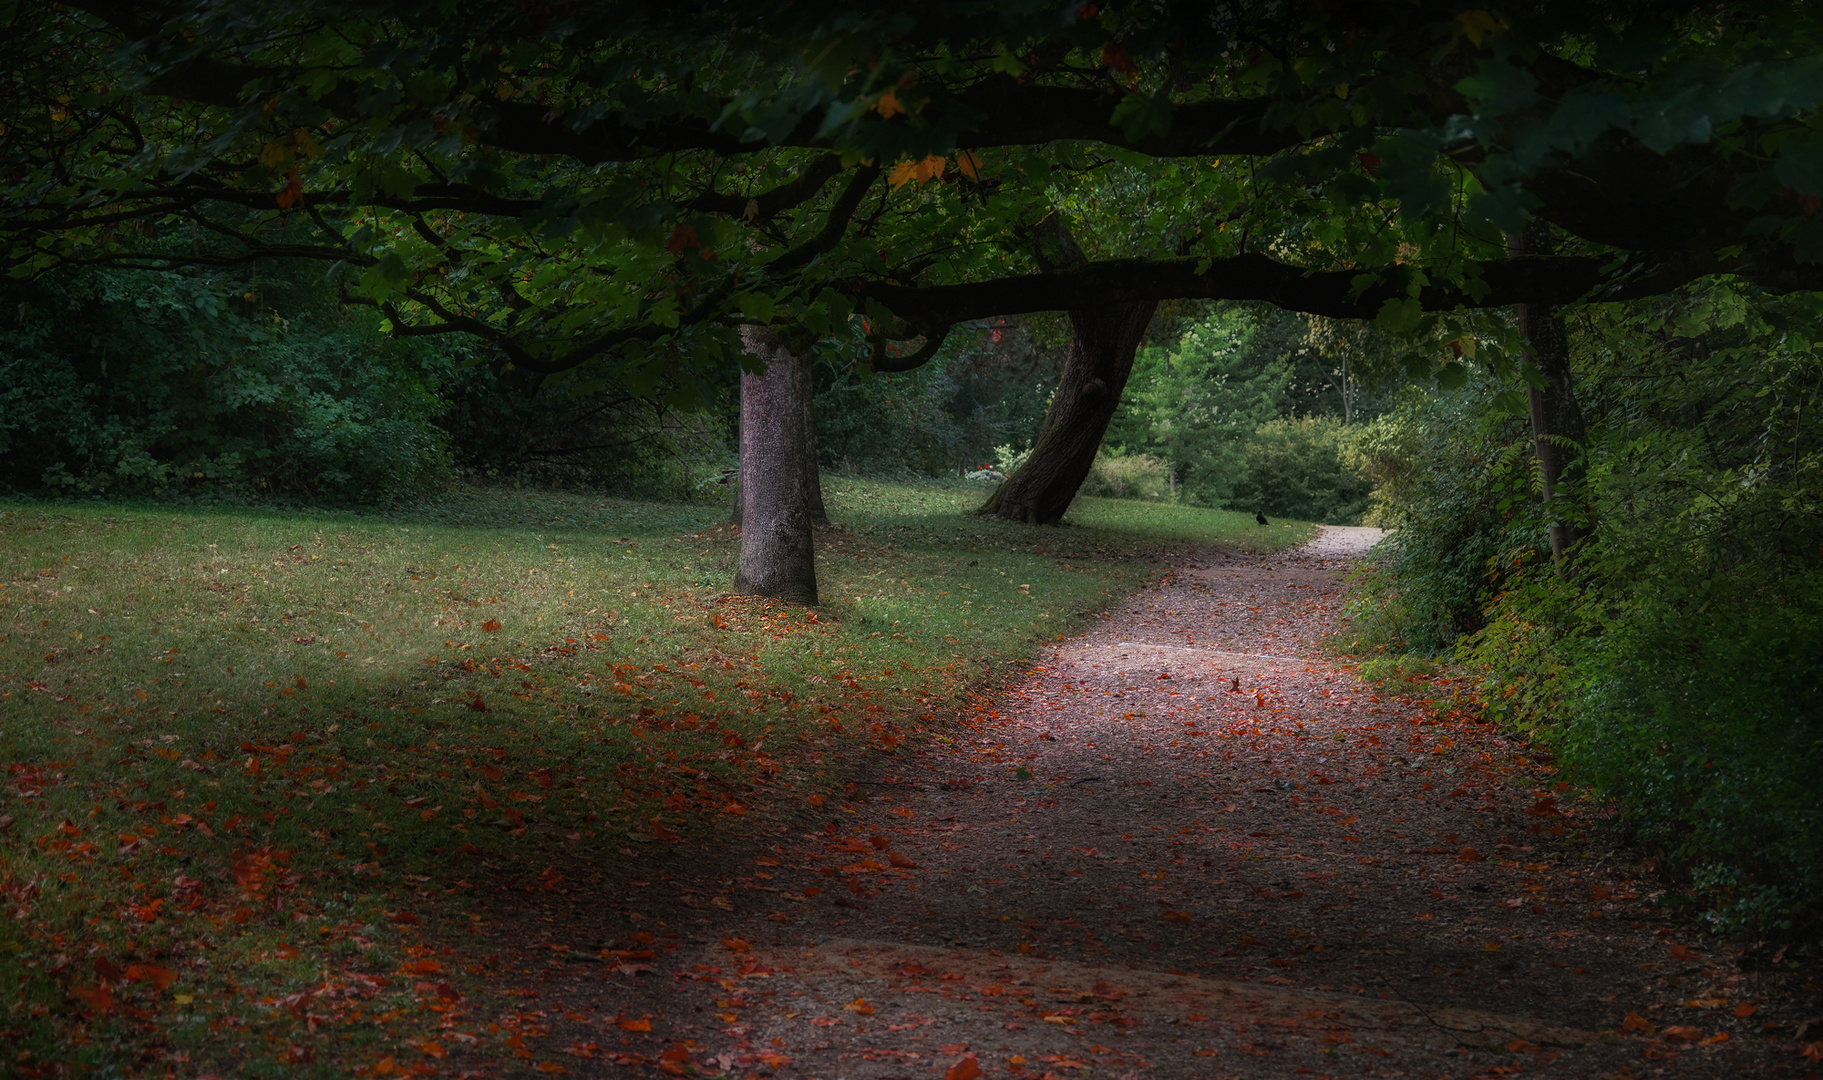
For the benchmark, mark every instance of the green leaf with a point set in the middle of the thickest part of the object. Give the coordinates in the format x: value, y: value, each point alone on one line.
x: 1400, y: 315
x: 1140, y: 115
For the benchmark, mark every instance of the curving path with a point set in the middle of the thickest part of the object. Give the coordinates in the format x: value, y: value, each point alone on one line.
x: 1184, y: 844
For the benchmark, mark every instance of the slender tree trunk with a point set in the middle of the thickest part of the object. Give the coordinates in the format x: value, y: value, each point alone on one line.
x: 1103, y: 341
x: 806, y: 392
x: 1558, y: 431
x: 778, y: 553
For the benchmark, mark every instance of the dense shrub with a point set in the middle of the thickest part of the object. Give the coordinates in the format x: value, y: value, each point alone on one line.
x: 1676, y: 660
x: 513, y: 425
x: 1128, y: 476
x: 1296, y: 468
x: 169, y: 383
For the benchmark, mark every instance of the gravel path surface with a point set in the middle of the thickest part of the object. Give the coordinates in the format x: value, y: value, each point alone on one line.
x: 1183, y: 844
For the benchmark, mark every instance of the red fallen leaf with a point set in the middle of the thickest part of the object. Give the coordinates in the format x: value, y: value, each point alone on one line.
x: 491, y: 625
x: 404, y: 918
x: 899, y: 860
x: 430, y: 1049
x: 1682, y: 952
x: 477, y: 704
x: 1682, y: 1033
x: 422, y: 967
x: 1743, y: 1010
x: 99, y: 997
x: 880, y: 843
x: 549, y: 1067
x: 674, y: 1060
x: 775, y: 1060
x: 859, y: 1005
x: 1545, y: 807
x: 1469, y: 854
x: 109, y: 972
x: 815, y: 800
x: 966, y: 1069
x: 735, y: 945
x: 1636, y: 1022
x: 157, y: 976
x: 659, y: 832
x: 1813, y: 1051
x: 812, y: 890
x: 635, y: 1025
x: 416, y: 801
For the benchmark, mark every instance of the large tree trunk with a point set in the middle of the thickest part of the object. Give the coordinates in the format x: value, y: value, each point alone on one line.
x: 1558, y: 432
x: 1103, y: 341
x: 806, y: 392
x: 778, y: 553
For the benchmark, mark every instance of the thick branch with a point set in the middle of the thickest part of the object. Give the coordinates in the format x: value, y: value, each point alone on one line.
x: 1555, y: 279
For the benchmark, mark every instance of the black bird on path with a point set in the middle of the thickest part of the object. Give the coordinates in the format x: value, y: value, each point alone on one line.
x: 1261, y: 518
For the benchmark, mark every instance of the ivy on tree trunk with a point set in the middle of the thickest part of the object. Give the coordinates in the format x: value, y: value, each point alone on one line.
x: 1558, y: 432
x: 778, y: 554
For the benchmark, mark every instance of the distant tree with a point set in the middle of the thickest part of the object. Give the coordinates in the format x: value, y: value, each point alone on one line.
x: 594, y: 188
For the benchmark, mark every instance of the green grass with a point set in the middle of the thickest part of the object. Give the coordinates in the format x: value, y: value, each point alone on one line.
x: 252, y: 752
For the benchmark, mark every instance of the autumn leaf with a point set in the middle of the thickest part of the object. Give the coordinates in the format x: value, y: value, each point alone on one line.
x: 1744, y: 1010
x: 969, y: 164
x: 157, y: 976
x: 549, y: 1067
x: 888, y: 105
x: 966, y: 1069
x: 636, y: 1025
x: 1636, y: 1022
x: 682, y: 237
x: 1682, y: 1033
x: 859, y: 1005
x: 491, y: 625
x: 99, y: 997
x: 899, y: 860
x: 422, y: 967
x: 735, y: 945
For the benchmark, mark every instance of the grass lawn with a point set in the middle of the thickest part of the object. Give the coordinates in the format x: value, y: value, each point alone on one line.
x: 262, y: 766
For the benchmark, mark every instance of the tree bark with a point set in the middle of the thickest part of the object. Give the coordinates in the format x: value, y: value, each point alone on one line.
x: 806, y: 392
x: 1558, y: 432
x: 1103, y: 341
x: 778, y: 553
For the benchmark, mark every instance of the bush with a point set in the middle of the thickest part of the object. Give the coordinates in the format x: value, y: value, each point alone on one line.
x: 1296, y: 468
x: 511, y: 424
x: 168, y: 383
x: 1128, y: 476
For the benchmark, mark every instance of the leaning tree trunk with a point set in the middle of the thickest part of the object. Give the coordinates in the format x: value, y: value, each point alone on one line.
x: 778, y: 554
x: 1558, y: 432
x: 1103, y: 341
x: 805, y: 391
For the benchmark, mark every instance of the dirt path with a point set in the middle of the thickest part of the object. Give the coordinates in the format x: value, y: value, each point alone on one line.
x: 1183, y: 845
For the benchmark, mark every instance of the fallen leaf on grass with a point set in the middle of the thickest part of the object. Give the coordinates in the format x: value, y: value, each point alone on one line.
x: 859, y: 1005
x: 735, y: 945
x: 901, y: 861
x: 966, y: 1069
x: 1636, y: 1022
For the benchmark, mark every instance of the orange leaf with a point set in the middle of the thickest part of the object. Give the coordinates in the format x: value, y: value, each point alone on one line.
x: 888, y: 106
x: 901, y: 861
x: 422, y: 967
x: 550, y: 1067
x: 815, y: 800
x: 99, y: 997
x: 1682, y: 952
x: 1682, y: 1033
x: 859, y: 1005
x: 1636, y: 1022
x: 157, y: 976
x: 736, y: 945
x: 1744, y: 1010
x: 966, y: 1069
x: 880, y: 843
x: 491, y: 625
x: 636, y: 1025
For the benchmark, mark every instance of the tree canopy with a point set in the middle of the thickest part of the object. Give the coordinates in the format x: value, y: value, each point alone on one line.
x: 616, y: 189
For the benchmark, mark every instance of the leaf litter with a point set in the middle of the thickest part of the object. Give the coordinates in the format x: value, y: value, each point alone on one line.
x: 1184, y: 843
